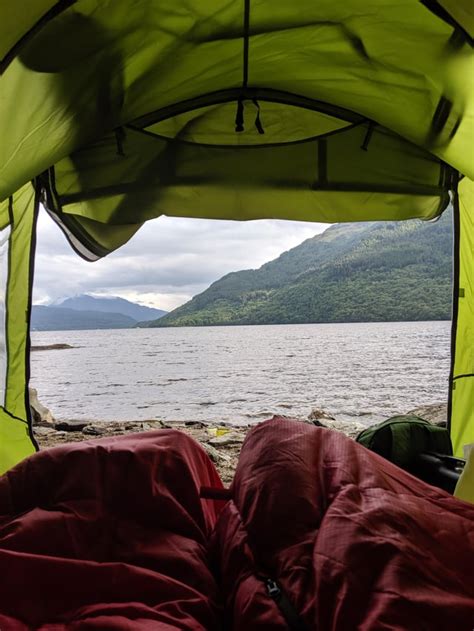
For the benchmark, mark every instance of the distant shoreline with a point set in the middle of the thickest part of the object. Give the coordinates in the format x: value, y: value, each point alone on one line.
x: 210, y: 326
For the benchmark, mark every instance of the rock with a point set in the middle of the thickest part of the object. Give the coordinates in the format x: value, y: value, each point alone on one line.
x: 216, y: 455
x: 317, y: 423
x: 44, y: 431
x: 196, y: 424
x: 437, y: 413
x: 51, y: 347
x: 94, y: 430
x: 164, y: 425
x: 71, y: 426
x: 349, y: 428
x: 39, y: 413
x: 317, y: 415
x: 231, y: 438
x: 131, y: 426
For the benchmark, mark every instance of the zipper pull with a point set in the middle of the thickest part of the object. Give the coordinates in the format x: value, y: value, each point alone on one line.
x: 293, y: 619
x: 272, y: 589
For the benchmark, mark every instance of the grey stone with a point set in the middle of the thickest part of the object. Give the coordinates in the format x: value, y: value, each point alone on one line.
x: 232, y: 438
x: 71, y: 426
x: 215, y: 455
x: 132, y: 425
x: 437, y: 413
x: 197, y: 424
x: 44, y: 431
x: 317, y: 414
x: 94, y: 430
x: 39, y: 413
x: 349, y: 428
x: 51, y: 347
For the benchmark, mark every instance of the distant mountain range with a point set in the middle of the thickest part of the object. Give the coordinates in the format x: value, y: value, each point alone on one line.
x: 88, y: 312
x: 355, y: 272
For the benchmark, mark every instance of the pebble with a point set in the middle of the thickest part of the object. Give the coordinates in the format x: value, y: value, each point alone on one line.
x: 71, y: 426
x: 45, y: 431
x: 94, y: 430
x: 232, y: 438
x: 215, y: 455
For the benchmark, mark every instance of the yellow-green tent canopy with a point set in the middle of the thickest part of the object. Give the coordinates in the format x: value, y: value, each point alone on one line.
x: 122, y: 111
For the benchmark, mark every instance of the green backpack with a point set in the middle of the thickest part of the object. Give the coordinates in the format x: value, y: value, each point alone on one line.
x: 401, y: 439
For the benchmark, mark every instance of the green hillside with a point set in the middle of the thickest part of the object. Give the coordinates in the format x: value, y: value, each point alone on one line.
x: 350, y: 273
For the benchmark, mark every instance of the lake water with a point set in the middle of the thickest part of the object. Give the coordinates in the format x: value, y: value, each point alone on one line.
x: 242, y: 374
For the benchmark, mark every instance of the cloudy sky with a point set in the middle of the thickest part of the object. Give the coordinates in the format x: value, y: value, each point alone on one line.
x: 166, y: 263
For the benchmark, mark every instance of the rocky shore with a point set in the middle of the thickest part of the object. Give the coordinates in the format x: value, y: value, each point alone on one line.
x: 221, y: 442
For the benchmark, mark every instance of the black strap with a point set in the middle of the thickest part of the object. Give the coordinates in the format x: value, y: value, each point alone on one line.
x: 258, y: 122
x: 119, y: 138
x: 368, y: 136
x: 292, y: 618
x: 239, y: 117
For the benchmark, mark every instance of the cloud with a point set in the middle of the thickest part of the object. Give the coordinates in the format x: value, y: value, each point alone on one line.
x: 166, y: 263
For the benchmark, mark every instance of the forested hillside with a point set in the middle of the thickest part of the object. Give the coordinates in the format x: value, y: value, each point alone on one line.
x: 350, y: 273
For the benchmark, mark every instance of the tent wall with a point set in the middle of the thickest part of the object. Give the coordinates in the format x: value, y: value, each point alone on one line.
x: 17, y: 240
x: 462, y: 376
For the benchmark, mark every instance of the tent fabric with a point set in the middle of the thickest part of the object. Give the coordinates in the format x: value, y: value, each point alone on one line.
x: 16, y: 26
x: 331, y: 175
x: 461, y: 12
x: 18, y: 217
x: 98, y: 66
x: 462, y: 376
x: 368, y: 550
x: 238, y: 109
x: 109, y: 534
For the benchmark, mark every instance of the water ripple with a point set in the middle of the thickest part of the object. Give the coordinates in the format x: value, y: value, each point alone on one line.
x: 364, y: 371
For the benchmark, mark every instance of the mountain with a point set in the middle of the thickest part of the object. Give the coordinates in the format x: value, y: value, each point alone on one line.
x: 355, y: 272
x: 45, y: 318
x: 86, y: 302
x: 88, y: 312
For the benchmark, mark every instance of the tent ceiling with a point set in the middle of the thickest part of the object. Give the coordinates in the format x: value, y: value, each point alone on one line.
x: 97, y: 74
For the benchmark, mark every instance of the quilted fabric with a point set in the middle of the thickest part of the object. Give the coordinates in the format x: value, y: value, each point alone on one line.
x: 109, y: 534
x: 112, y: 534
x: 355, y: 542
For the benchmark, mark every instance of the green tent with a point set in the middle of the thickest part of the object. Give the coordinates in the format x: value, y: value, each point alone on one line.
x: 112, y: 113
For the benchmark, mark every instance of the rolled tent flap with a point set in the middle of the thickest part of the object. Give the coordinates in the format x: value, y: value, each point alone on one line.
x: 353, y: 172
x: 462, y: 376
x: 17, y: 241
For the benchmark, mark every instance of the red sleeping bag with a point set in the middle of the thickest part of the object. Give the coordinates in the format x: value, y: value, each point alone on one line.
x: 353, y: 542
x: 109, y: 535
